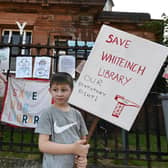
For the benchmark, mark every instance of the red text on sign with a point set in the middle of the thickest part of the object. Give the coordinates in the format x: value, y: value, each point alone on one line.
x: 118, y: 41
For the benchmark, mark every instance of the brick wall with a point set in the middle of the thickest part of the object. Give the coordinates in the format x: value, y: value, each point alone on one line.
x: 78, y: 21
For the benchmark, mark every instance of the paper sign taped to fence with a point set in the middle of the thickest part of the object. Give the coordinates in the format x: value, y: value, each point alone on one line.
x: 42, y: 67
x: 67, y: 64
x: 117, y: 76
x: 24, y: 101
x: 23, y: 67
x: 4, y: 59
x: 2, y: 84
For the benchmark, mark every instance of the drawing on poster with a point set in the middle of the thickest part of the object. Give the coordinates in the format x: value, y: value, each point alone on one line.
x: 23, y: 67
x: 42, y: 67
x: 121, y: 103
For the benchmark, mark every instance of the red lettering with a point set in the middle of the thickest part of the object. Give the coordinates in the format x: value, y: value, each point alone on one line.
x: 115, y: 40
x: 127, y: 43
x: 121, y: 79
x: 110, y: 38
x: 106, y: 57
x: 122, y: 42
x: 118, y: 41
x: 19, y: 106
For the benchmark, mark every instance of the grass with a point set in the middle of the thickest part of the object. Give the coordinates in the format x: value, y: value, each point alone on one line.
x: 113, y: 153
x: 18, y: 143
x: 13, y: 155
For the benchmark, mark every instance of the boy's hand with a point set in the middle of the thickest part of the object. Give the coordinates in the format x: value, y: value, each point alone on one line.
x: 80, y: 148
x: 80, y: 161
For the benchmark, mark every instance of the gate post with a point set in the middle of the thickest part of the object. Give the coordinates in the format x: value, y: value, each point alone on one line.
x: 164, y: 101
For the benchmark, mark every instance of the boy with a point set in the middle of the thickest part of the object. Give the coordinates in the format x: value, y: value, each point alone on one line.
x: 61, y: 127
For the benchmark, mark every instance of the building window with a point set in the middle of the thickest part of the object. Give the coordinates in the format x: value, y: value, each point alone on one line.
x: 62, y: 42
x: 13, y: 37
x: 67, y: 42
x: 80, y: 53
x: 71, y: 47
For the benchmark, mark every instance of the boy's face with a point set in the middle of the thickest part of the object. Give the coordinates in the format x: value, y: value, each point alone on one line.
x: 60, y: 93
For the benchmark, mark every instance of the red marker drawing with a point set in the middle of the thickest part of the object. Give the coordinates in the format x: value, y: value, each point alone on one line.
x: 121, y: 103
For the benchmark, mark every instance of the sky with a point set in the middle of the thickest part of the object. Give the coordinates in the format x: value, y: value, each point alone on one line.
x: 154, y: 7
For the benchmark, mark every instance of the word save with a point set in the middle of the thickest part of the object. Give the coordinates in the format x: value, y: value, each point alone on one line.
x: 118, y: 41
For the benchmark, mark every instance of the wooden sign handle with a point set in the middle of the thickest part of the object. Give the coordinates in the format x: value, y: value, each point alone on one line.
x: 91, y: 131
x: 92, y: 128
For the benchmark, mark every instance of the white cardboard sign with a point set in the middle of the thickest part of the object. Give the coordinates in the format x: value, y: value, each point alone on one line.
x: 118, y: 76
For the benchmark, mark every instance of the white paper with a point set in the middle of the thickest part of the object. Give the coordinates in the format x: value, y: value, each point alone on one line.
x: 2, y: 84
x: 42, y: 67
x: 4, y: 59
x: 23, y: 67
x: 67, y: 63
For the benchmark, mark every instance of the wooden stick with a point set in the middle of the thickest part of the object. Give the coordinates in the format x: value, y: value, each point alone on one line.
x: 91, y: 131
x: 92, y: 128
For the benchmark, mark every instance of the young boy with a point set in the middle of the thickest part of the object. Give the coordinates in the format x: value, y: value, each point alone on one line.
x: 62, y: 130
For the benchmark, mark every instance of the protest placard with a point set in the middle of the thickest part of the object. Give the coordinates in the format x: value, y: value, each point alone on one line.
x: 118, y: 76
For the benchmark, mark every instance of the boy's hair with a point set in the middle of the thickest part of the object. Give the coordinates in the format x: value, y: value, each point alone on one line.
x: 61, y: 78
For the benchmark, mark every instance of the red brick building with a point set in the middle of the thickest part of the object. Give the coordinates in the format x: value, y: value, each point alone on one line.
x: 70, y: 19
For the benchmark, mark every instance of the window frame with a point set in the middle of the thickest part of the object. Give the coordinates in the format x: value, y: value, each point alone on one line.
x: 23, y: 51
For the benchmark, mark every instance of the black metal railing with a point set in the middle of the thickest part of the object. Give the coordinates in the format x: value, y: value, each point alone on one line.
x: 146, y: 142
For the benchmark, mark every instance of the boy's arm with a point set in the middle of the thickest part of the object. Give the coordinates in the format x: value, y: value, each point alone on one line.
x: 46, y: 146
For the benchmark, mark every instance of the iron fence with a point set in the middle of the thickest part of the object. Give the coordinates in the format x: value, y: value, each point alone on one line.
x: 146, y: 142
